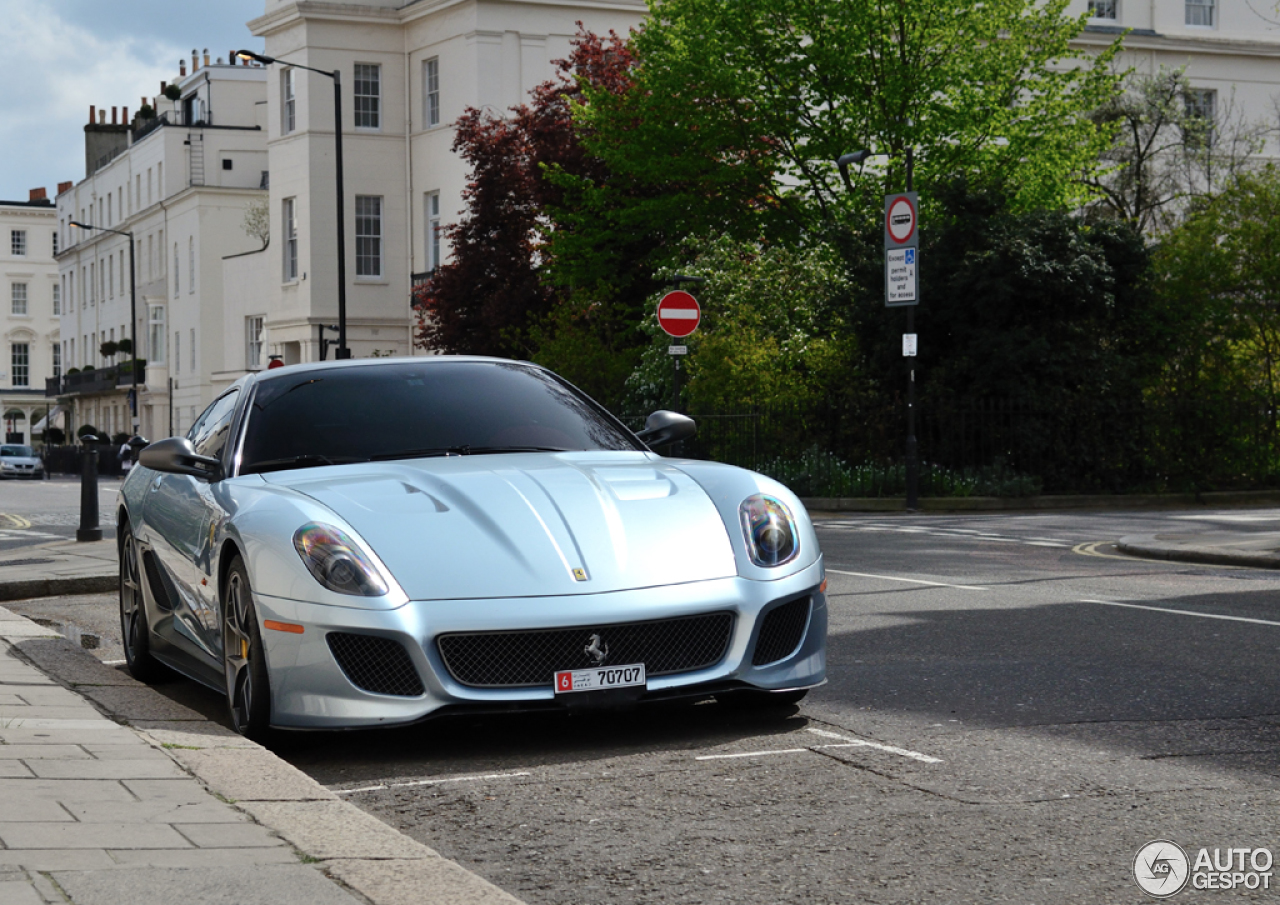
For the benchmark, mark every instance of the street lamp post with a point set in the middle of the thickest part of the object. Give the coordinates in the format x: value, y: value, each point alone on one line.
x: 133, y: 318
x: 913, y: 452
x: 342, y: 351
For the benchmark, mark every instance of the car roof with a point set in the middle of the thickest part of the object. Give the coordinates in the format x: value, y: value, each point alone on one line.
x: 427, y: 360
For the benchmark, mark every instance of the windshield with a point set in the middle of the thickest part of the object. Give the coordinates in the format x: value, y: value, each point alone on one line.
x: 21, y: 451
x: 410, y: 410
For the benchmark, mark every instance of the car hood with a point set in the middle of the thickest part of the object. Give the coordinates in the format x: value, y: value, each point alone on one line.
x: 527, y: 525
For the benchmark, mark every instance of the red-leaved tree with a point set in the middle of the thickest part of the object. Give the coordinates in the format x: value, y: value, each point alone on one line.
x: 484, y: 300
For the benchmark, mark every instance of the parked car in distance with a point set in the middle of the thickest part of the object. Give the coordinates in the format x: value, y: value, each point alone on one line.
x: 18, y: 461
x: 370, y: 542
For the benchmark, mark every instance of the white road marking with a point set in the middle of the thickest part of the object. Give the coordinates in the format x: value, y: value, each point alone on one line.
x: 933, y: 584
x: 752, y: 754
x: 952, y: 533
x: 844, y: 742
x: 863, y: 743
x: 1160, y: 609
x: 429, y: 782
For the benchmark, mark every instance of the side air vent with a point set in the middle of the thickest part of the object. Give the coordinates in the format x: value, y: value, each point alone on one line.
x: 781, y: 631
x: 374, y: 664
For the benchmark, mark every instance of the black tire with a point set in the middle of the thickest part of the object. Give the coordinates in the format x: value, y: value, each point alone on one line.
x: 243, y: 657
x: 761, y: 700
x: 134, y: 631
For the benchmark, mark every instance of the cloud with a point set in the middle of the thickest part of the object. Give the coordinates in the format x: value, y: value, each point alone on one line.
x: 63, y: 56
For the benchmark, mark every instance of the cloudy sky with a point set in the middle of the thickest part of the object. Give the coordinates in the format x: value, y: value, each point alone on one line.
x: 60, y: 56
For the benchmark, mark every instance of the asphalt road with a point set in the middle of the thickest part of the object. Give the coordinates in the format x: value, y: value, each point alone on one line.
x: 1013, y: 711
x: 37, y: 512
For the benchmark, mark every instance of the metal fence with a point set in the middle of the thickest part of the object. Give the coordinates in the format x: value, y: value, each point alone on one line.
x: 1002, y: 447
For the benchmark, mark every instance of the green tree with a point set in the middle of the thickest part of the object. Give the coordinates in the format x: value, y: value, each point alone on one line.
x: 774, y: 330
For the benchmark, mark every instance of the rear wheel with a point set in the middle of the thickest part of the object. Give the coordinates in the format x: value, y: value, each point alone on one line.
x: 243, y: 656
x: 133, y: 616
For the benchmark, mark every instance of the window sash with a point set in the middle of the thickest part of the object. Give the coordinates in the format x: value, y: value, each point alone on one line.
x: 433, y: 231
x: 18, y: 242
x: 290, y: 251
x: 1201, y: 12
x: 368, y: 89
x: 431, y: 91
x: 288, y: 101
x: 368, y: 235
x: 1103, y: 9
x: 18, y: 299
x: 253, y: 343
x: 20, y: 360
x: 156, y: 322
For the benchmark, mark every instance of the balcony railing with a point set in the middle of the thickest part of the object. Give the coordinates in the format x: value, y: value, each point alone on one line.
x: 95, y: 380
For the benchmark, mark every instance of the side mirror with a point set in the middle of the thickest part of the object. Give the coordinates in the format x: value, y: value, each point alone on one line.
x: 176, y: 455
x: 663, y: 427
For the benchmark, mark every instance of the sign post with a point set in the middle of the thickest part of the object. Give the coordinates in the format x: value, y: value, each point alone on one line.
x: 902, y: 290
x: 678, y: 316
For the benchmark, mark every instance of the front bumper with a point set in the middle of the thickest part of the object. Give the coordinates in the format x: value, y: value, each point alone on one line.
x: 310, y: 690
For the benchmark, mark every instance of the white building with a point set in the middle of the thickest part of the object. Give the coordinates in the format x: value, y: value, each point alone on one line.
x: 408, y: 71
x: 1230, y: 49
x: 29, y: 306
x: 177, y: 183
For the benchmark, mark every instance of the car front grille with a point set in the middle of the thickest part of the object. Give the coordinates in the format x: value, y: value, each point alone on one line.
x: 781, y: 631
x: 528, y: 658
x: 374, y: 664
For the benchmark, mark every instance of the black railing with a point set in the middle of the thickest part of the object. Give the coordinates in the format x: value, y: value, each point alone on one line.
x: 1001, y: 447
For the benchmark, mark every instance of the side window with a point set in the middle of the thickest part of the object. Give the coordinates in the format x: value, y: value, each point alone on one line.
x: 209, y: 433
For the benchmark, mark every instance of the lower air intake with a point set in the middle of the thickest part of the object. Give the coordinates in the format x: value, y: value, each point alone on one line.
x: 377, y: 665
x: 781, y: 631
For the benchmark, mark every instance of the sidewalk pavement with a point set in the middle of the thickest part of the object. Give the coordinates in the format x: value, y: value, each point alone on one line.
x: 110, y: 793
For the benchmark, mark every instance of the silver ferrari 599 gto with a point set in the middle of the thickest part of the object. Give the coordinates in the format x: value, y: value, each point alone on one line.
x: 364, y: 543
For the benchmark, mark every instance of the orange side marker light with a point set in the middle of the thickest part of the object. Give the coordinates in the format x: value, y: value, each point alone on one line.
x: 289, y: 627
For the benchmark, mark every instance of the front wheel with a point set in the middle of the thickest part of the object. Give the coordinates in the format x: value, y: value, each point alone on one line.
x: 244, y: 659
x: 133, y: 615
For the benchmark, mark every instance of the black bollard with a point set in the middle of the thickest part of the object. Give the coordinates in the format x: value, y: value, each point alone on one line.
x: 89, y: 530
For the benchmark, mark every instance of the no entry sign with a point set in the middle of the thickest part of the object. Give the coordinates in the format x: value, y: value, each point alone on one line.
x: 678, y: 313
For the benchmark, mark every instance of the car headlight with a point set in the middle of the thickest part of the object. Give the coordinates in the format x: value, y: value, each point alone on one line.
x: 335, y: 561
x: 769, y: 530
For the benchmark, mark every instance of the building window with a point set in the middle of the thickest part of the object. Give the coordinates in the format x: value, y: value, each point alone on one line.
x: 55, y: 243
x: 111, y: 278
x: 191, y: 264
x: 431, y: 91
x: 433, y: 231
x: 368, y: 236
x: 290, y: 221
x: 253, y: 342
x: 288, y: 102
x: 1202, y: 110
x: 1200, y: 12
x: 156, y: 334
x: 177, y: 351
x: 57, y: 299
x: 57, y: 360
x: 18, y: 242
x: 192, y: 367
x: 368, y: 95
x: 21, y: 364
x: 177, y: 280
x: 1103, y: 9
x: 18, y: 299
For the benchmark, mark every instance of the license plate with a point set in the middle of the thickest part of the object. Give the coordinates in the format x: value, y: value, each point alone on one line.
x: 570, y: 680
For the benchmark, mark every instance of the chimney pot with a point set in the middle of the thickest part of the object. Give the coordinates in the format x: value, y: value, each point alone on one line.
x: 124, y: 115
x: 93, y: 114
x: 182, y: 68
x: 114, y: 112
x: 195, y: 60
x: 102, y: 117
x: 206, y: 56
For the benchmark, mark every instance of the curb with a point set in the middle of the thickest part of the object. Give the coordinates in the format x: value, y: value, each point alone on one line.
x: 351, y: 847
x: 23, y: 589
x: 1077, y: 501
x: 1146, y: 547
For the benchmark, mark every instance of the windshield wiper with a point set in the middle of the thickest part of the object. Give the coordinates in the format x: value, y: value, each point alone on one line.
x: 307, y: 461
x: 465, y: 450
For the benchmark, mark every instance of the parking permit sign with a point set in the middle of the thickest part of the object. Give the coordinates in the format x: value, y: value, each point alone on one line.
x: 900, y: 284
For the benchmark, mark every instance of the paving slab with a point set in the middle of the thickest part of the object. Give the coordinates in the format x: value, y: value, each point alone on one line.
x: 254, y: 885
x: 233, y: 860
x: 20, y: 892
x: 90, y: 835
x: 16, y: 792
x: 44, y: 752
x: 57, y: 859
x: 229, y: 835
x: 198, y: 807
x: 142, y: 768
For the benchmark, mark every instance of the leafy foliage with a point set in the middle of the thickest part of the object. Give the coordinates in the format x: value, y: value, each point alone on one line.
x: 488, y: 297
